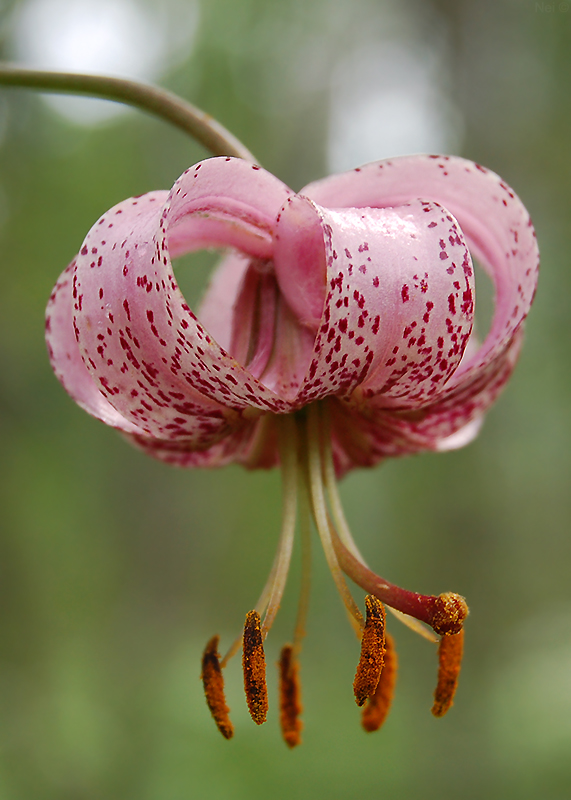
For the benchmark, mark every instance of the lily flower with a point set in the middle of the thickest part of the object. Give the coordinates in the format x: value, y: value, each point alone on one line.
x: 337, y: 332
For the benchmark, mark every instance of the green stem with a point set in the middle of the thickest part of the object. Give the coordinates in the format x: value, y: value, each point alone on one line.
x: 168, y: 106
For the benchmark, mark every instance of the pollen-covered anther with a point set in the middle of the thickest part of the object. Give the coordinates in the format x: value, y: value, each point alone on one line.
x: 290, y: 697
x: 450, y: 611
x: 254, y: 666
x: 371, y: 662
x: 213, y: 683
x: 378, y: 706
x: 449, y: 662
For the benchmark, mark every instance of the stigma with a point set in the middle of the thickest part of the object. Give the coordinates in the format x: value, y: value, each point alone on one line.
x: 311, y: 500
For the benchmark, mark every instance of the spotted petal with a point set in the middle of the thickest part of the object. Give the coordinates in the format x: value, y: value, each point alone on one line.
x: 360, y: 288
x: 396, y: 296
x: 66, y: 360
x: 499, y: 233
x: 148, y: 355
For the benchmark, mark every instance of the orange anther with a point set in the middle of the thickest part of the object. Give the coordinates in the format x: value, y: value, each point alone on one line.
x: 254, y: 665
x: 213, y: 683
x: 449, y: 663
x: 290, y: 697
x: 377, y: 708
x: 372, y: 651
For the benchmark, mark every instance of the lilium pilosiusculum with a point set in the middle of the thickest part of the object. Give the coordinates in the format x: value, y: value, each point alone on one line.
x: 336, y: 332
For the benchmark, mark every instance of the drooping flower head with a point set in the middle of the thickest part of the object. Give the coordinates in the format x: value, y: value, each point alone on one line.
x: 336, y: 332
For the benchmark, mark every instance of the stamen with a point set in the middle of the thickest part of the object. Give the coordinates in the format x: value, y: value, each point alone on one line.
x: 290, y: 697
x: 321, y: 517
x: 372, y: 651
x: 213, y: 683
x: 305, y: 587
x: 254, y: 665
x: 290, y: 688
x: 260, y: 607
x: 289, y: 469
x: 449, y: 663
x: 272, y: 593
x: 377, y: 708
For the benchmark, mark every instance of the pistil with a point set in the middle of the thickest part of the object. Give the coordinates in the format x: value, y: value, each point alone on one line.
x: 444, y: 613
x: 321, y: 516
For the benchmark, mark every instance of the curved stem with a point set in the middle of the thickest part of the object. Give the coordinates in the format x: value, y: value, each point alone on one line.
x: 201, y: 126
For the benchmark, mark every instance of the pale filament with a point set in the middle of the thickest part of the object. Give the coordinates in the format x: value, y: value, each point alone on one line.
x: 289, y: 469
x: 305, y: 587
x: 272, y: 593
x: 321, y: 516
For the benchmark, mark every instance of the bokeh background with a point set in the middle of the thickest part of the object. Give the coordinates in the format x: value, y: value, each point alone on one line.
x: 115, y: 570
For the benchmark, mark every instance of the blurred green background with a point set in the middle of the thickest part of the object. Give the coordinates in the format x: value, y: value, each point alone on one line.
x: 115, y: 570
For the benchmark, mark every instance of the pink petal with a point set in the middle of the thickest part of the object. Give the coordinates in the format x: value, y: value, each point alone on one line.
x: 427, y: 309
x: 451, y: 421
x: 72, y: 372
x: 152, y: 359
x: 66, y: 360
x: 299, y: 260
x: 253, y: 317
x: 495, y: 223
x: 499, y: 232
x: 224, y: 202
x: 216, y: 309
x: 291, y: 354
x: 398, y: 309
x: 254, y: 445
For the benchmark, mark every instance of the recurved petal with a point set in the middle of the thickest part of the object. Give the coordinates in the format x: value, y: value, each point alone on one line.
x: 427, y: 308
x: 113, y: 294
x: 397, y: 308
x: 66, y: 359
x: 367, y: 434
x: 300, y: 259
x: 495, y: 224
x: 225, y: 202
x: 454, y: 418
x: 149, y: 355
x: 73, y: 374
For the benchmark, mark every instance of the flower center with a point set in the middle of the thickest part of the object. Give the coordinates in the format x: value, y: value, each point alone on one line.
x: 310, y: 494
